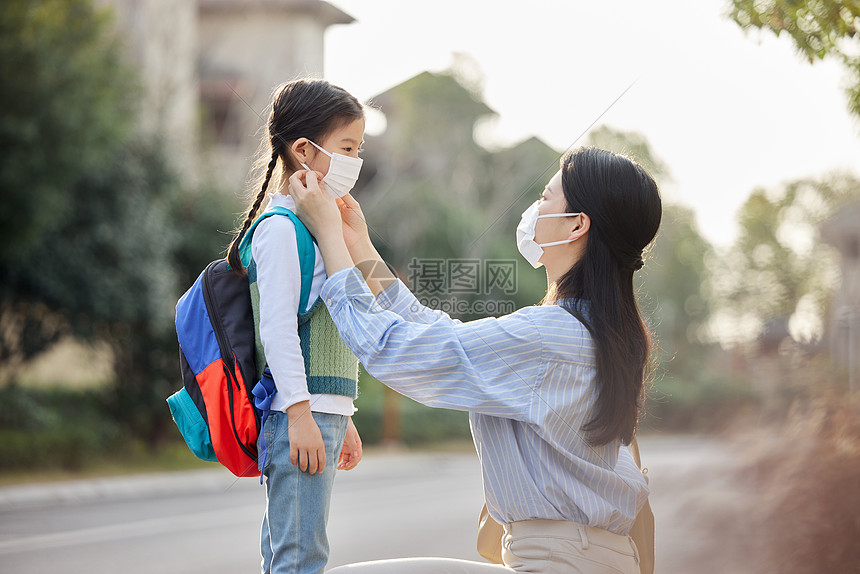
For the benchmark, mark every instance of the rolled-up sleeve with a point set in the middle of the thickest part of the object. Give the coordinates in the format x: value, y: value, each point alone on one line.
x: 490, y: 366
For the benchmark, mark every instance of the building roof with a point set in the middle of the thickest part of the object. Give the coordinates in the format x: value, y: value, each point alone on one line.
x: 428, y: 86
x: 323, y: 11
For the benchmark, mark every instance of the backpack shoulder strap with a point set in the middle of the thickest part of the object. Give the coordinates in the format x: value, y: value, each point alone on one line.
x: 304, y: 244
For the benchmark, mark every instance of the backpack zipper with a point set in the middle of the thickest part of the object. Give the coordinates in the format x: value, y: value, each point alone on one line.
x: 223, y: 345
x: 217, y: 326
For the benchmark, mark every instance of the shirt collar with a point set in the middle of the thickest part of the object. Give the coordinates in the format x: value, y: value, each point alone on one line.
x: 278, y: 198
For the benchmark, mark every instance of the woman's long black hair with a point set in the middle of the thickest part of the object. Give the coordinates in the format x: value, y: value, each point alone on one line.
x: 623, y: 203
x: 306, y: 108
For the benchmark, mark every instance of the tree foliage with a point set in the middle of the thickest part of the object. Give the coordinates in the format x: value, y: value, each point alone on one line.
x: 99, y: 236
x: 633, y: 145
x: 452, y: 200
x: 65, y: 99
x: 670, y: 284
x: 819, y: 28
x: 778, y: 269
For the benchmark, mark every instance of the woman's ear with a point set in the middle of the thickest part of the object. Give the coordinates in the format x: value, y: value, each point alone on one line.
x: 580, y: 228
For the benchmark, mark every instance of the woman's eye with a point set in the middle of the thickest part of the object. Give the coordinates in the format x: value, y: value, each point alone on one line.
x: 347, y: 149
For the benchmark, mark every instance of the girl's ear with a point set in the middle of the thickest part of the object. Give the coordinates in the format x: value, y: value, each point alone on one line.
x: 582, y: 223
x: 299, y: 149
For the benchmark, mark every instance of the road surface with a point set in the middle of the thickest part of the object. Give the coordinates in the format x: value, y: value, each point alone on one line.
x: 392, y: 505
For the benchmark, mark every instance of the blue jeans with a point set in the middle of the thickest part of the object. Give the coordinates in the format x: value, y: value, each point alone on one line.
x: 293, y: 537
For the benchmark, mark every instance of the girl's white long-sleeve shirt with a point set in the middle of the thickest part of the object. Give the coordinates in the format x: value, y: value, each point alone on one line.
x: 280, y: 282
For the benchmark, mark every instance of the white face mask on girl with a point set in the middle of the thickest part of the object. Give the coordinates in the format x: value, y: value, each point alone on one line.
x: 529, y: 248
x: 342, y: 173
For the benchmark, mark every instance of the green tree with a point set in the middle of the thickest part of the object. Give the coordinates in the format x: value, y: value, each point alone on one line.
x: 670, y: 284
x: 670, y: 289
x: 632, y: 144
x: 455, y: 200
x: 778, y: 269
x: 65, y: 99
x: 819, y: 28
x: 99, y: 235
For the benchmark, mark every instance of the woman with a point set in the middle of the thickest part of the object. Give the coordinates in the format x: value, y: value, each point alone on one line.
x: 554, y: 392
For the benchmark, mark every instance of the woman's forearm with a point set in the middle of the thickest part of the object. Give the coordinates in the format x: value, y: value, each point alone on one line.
x: 334, y: 253
x: 376, y: 273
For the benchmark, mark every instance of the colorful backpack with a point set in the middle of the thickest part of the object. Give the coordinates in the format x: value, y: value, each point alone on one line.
x: 215, y: 409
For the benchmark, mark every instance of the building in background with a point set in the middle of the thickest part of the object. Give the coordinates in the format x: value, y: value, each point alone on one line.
x: 244, y: 49
x: 842, y: 231
x: 160, y: 38
x: 208, y: 68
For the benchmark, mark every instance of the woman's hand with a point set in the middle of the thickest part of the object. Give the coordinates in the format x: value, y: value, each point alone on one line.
x: 307, y: 449
x: 350, y: 454
x: 354, y: 224
x: 321, y: 215
x: 314, y: 206
x: 361, y: 249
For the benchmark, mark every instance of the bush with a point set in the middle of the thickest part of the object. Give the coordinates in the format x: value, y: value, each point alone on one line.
x: 419, y: 424
x: 54, y: 428
x: 706, y: 403
x: 785, y: 498
x: 807, y: 515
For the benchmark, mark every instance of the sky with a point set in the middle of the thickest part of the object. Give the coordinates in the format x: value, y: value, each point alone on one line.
x: 728, y: 111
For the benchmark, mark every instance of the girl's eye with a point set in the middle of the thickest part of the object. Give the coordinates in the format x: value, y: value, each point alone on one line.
x: 347, y: 149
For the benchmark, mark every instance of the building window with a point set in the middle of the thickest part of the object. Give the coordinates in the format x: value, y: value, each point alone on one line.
x: 220, y: 101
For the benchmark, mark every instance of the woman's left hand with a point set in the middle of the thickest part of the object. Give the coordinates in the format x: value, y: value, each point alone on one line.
x: 314, y: 205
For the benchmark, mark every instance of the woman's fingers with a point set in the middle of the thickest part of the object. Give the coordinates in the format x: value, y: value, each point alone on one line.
x: 297, y: 187
x: 350, y: 201
x: 303, y: 182
x: 312, y: 181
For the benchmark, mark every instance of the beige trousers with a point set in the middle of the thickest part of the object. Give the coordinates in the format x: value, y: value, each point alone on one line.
x: 420, y: 566
x: 532, y: 546
x: 556, y: 547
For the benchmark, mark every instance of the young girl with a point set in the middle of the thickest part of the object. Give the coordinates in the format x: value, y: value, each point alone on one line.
x: 554, y: 391
x: 313, y: 376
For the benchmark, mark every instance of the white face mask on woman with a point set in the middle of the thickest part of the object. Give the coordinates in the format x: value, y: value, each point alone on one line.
x: 342, y: 173
x: 529, y: 248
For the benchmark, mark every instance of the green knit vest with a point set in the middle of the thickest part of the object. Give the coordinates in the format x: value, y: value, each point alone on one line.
x: 330, y: 367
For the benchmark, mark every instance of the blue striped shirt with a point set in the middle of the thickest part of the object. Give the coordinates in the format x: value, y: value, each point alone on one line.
x: 528, y: 382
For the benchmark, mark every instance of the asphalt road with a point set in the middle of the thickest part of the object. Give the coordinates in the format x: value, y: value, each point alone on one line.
x: 392, y: 505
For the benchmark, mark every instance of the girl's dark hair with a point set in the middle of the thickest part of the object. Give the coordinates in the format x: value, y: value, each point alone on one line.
x: 624, y: 205
x: 307, y: 108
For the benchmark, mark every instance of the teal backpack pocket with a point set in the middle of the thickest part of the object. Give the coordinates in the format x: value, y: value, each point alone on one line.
x: 191, y: 425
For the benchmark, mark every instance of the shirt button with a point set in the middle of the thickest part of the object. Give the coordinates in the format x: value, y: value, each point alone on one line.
x: 328, y: 302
